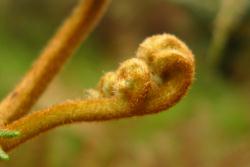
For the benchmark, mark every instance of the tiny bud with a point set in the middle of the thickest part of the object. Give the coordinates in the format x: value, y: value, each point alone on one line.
x: 91, y: 94
x: 106, y: 84
x: 133, y: 79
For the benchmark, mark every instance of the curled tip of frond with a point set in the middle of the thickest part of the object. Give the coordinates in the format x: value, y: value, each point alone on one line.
x: 155, y: 80
x: 172, y: 68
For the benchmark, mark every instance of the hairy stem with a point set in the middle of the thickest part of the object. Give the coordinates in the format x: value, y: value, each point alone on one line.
x: 132, y: 91
x: 75, y: 29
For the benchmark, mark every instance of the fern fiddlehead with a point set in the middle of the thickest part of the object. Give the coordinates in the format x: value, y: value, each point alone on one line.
x: 152, y: 82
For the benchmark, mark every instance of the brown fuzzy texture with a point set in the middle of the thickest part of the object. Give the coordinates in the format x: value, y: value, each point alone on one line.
x: 155, y: 80
x: 152, y: 82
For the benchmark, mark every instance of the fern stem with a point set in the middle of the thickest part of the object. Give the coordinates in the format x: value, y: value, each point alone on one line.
x: 74, y: 30
x: 129, y: 91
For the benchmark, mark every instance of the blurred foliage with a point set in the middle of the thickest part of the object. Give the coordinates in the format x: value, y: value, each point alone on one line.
x: 228, y: 19
x: 209, y: 127
x: 207, y: 8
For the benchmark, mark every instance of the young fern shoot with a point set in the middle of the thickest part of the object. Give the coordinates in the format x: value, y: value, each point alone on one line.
x: 153, y: 81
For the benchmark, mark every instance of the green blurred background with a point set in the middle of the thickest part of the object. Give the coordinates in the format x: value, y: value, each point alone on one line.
x: 210, y: 127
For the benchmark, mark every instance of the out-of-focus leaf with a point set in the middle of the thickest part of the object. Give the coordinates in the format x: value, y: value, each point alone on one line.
x: 205, y: 8
x: 228, y: 18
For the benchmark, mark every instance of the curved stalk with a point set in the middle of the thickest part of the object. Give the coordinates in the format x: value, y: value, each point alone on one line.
x: 154, y: 81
